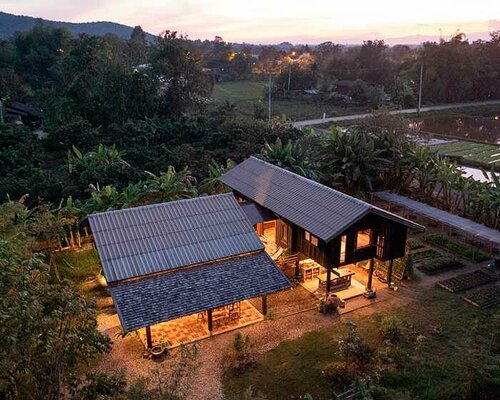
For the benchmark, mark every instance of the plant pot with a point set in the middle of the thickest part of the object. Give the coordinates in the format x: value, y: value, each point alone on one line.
x: 157, y: 351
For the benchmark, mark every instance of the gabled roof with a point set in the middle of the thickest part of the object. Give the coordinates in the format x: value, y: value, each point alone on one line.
x: 256, y: 213
x: 145, y: 240
x: 321, y: 210
x: 185, y: 291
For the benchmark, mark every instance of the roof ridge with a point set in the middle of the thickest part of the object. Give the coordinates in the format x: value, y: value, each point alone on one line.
x: 163, y: 203
x: 324, y: 187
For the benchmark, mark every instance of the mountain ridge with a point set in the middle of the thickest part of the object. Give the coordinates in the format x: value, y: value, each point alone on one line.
x: 11, y: 23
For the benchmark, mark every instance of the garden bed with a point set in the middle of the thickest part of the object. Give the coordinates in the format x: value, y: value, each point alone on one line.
x: 438, y: 265
x: 468, y: 281
x: 484, y: 298
x: 414, y: 244
x: 457, y: 248
x: 428, y: 254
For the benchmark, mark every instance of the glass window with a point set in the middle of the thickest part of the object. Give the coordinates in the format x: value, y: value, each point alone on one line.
x: 314, y: 240
x: 343, y: 241
x: 363, y: 238
x: 311, y: 238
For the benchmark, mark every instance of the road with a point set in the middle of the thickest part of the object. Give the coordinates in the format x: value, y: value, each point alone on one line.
x: 310, y: 122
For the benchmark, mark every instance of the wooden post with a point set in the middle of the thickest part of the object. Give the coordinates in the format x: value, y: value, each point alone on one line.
x: 389, y: 273
x: 370, y: 274
x: 149, y: 340
x: 264, y: 305
x: 328, y: 280
x: 210, y: 322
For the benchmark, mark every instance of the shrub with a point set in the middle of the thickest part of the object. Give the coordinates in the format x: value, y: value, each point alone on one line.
x: 271, y: 314
x: 338, y: 376
x: 390, y: 327
x: 240, y: 344
x: 458, y: 248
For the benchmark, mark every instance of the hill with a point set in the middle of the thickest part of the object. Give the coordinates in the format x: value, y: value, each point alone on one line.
x: 10, y: 24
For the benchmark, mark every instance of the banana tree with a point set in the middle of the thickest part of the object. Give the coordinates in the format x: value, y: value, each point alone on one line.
x: 170, y: 185
x: 352, y: 160
x: 212, y: 184
x: 292, y: 156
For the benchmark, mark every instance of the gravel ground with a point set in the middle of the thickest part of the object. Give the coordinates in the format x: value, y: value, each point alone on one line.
x: 205, y: 379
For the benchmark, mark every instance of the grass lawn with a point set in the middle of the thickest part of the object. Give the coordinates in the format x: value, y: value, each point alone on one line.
x: 447, y: 351
x: 81, y: 267
x: 244, y: 94
x: 238, y: 91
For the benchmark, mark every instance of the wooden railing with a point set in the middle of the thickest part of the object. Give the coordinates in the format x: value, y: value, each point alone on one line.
x: 287, y: 263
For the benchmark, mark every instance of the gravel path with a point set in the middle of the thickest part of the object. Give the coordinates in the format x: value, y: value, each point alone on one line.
x: 205, y: 380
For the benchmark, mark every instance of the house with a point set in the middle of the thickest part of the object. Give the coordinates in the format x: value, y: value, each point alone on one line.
x: 188, y: 269
x: 23, y: 113
x: 322, y: 228
x: 197, y: 257
x: 344, y: 86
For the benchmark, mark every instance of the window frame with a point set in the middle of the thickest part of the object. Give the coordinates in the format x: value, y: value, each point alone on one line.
x: 370, y: 236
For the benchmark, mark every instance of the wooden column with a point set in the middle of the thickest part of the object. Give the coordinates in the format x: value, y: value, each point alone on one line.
x: 264, y: 305
x: 370, y: 274
x: 149, y: 340
x: 389, y: 273
x: 210, y: 322
x: 328, y: 280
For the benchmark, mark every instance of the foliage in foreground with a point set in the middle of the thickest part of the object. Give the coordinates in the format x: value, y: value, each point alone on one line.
x: 47, y: 329
x: 436, y: 347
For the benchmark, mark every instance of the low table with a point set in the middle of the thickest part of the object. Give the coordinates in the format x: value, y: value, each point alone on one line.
x: 340, y: 279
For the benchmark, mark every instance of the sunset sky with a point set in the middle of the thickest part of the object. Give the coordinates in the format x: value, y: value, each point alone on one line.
x: 271, y: 21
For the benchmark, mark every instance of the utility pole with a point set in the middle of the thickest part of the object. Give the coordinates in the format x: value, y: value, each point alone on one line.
x: 420, y: 88
x: 1, y: 112
x: 289, y: 75
x: 269, y: 95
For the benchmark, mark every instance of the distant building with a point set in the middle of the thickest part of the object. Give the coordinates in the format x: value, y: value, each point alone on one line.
x: 344, y: 86
x: 23, y: 113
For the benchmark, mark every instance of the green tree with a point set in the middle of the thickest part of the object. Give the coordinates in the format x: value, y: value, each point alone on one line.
x: 104, y: 166
x: 39, y: 55
x: 47, y: 329
x: 183, y: 85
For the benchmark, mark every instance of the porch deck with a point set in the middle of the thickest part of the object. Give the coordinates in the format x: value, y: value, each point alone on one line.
x: 193, y: 327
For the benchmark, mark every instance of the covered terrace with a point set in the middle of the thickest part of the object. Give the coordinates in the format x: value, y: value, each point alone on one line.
x: 185, y: 270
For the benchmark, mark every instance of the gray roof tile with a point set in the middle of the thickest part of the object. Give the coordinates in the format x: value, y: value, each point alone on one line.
x: 185, y: 291
x: 149, y: 239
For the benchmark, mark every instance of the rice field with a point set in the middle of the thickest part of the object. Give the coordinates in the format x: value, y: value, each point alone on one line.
x: 477, y: 153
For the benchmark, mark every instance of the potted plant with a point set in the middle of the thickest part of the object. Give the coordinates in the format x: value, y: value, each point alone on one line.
x: 159, y: 349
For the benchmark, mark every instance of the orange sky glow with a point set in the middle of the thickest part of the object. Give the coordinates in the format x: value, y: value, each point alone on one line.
x: 272, y: 21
